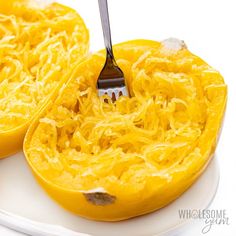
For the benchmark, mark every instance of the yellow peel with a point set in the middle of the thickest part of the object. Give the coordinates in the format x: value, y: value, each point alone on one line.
x: 143, y: 151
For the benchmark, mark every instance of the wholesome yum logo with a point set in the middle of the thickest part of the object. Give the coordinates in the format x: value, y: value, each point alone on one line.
x: 210, y: 217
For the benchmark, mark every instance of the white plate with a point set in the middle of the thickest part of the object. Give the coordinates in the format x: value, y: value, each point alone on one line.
x: 21, y: 195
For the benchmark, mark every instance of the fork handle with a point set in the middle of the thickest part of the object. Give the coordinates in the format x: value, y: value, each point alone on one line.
x: 103, y: 8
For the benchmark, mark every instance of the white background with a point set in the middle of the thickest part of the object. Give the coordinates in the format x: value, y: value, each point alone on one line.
x: 208, y: 27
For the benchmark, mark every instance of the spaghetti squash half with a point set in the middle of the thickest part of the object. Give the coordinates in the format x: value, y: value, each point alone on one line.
x: 112, y: 161
x: 38, y: 48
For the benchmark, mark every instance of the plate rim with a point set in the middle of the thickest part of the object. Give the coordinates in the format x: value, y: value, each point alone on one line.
x: 34, y: 227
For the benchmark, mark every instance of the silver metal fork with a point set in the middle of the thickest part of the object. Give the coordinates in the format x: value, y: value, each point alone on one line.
x: 111, y: 80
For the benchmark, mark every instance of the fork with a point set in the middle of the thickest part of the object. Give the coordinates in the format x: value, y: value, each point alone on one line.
x: 111, y: 80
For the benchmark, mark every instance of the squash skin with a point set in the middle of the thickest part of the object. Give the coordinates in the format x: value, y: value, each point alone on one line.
x: 129, y: 205
x: 11, y: 140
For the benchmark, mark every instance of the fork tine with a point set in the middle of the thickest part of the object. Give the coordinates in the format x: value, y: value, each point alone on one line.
x: 111, y: 79
x: 114, y: 93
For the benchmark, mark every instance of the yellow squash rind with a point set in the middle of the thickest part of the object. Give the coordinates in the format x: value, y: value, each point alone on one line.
x: 23, y: 22
x: 115, y: 201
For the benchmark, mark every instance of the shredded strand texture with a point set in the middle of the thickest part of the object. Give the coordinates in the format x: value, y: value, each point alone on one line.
x: 86, y: 143
x: 38, y: 46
